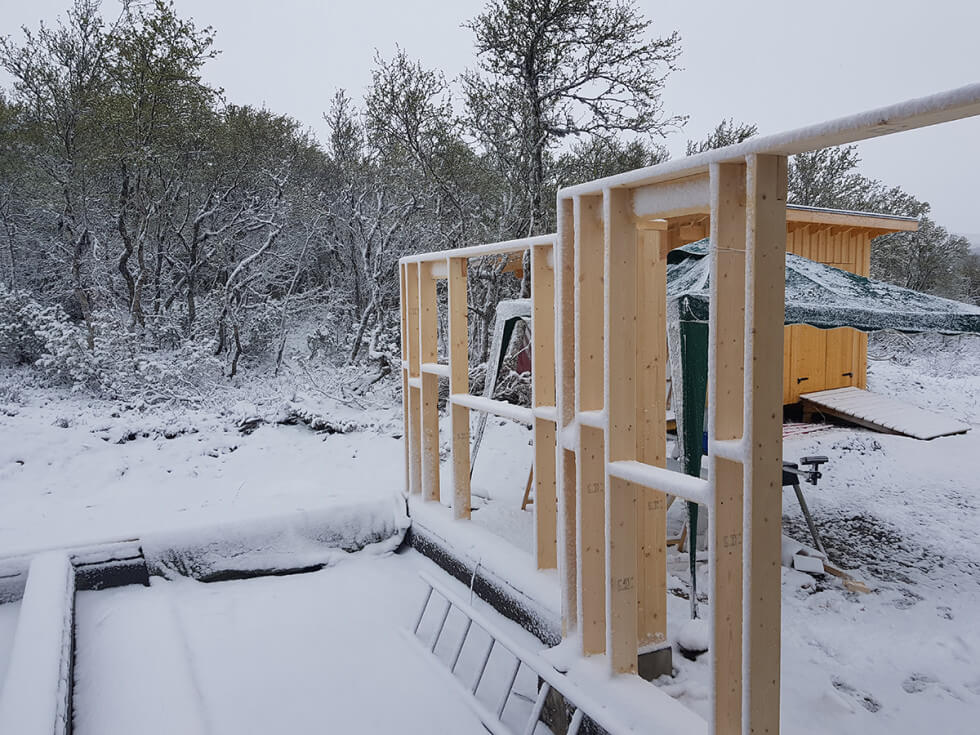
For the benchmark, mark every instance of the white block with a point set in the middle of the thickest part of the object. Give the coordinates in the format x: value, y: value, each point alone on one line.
x: 808, y: 564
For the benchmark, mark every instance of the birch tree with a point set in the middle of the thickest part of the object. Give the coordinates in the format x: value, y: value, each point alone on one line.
x: 548, y: 70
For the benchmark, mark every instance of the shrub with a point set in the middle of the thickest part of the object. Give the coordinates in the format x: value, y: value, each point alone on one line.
x: 124, y: 364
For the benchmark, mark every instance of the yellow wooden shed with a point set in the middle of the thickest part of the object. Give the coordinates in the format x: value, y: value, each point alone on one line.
x: 817, y: 359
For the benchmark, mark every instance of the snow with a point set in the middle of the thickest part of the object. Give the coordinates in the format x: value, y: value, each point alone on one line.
x: 299, y: 540
x: 281, y: 654
x: 497, y: 408
x: 77, y: 471
x: 823, y: 296
x: 477, y: 251
x: 694, y: 635
x: 8, y: 624
x: 898, y: 514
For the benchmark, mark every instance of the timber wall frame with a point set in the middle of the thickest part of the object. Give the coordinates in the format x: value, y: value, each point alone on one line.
x: 421, y: 372
x: 599, y: 293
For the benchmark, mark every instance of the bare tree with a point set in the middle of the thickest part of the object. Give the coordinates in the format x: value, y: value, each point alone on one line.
x: 550, y: 69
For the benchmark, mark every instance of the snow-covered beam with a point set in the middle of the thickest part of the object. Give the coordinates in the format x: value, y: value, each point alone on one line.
x: 672, y: 199
x: 497, y: 408
x: 36, y: 694
x: 954, y: 104
x: 478, y: 251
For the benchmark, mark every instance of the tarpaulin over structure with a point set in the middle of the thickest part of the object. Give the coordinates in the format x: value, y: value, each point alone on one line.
x: 825, y: 297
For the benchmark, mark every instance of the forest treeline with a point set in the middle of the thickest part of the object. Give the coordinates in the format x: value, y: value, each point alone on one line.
x: 155, y: 233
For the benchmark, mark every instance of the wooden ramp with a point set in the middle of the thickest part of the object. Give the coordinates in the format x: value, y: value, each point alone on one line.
x: 881, y: 413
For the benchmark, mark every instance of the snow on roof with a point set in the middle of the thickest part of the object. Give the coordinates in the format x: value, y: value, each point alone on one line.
x: 826, y: 297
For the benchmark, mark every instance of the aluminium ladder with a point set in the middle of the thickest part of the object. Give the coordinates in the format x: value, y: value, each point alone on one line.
x: 550, y: 678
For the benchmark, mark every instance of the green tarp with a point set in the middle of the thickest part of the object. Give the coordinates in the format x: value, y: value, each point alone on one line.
x: 825, y: 297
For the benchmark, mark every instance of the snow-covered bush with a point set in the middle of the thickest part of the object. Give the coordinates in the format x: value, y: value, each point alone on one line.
x: 126, y: 364
x: 123, y: 363
x: 26, y: 327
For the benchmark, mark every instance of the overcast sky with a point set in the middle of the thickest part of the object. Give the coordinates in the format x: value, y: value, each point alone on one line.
x: 778, y: 64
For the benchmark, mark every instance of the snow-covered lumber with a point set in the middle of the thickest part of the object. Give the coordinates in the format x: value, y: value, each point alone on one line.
x: 476, y: 251
x: 954, y: 104
x: 290, y: 542
x: 497, y: 408
x: 435, y: 368
x: 657, y: 478
x: 36, y: 694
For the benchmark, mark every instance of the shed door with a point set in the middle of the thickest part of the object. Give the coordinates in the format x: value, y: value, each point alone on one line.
x: 842, y: 368
x: 808, y: 360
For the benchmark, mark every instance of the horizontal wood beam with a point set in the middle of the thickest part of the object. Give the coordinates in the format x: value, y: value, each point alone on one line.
x: 798, y: 217
x: 477, y: 251
x: 955, y: 104
x: 497, y: 408
x: 675, y: 198
x: 666, y: 481
x: 435, y: 368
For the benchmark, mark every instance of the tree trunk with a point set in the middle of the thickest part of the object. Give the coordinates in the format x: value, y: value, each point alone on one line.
x: 238, y: 350
x: 80, y: 295
x: 122, y: 266
x: 365, y: 318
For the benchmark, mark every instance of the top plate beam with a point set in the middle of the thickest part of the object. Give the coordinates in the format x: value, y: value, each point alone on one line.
x: 955, y: 104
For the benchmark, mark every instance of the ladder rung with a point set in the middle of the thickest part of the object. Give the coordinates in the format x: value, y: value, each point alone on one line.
x: 459, y: 648
x: 532, y: 723
x: 483, y: 666
x: 425, y: 606
x: 442, y: 624
x: 510, y: 688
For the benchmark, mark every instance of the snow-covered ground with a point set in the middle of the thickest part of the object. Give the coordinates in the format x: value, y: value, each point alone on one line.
x: 8, y: 623
x: 901, y: 514
x: 76, y: 470
x: 328, y: 651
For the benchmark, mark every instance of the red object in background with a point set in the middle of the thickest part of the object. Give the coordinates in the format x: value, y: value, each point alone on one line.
x: 524, y: 355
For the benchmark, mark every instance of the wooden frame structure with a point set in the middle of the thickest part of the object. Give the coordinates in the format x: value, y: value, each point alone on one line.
x: 599, y: 293
x: 421, y: 372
